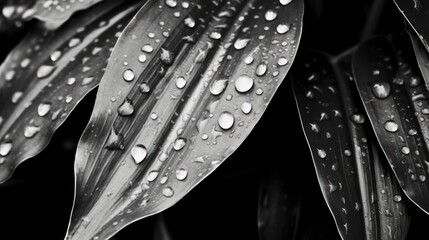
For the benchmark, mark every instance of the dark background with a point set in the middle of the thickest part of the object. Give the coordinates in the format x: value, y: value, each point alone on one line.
x: 36, y: 202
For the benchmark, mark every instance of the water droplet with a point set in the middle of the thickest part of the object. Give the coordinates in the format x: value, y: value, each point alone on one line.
x: 243, y: 83
x: 25, y: 62
x: 315, y: 127
x: 248, y: 60
x: 171, y: 3
x: 128, y: 75
x: 261, y: 69
x: 226, y: 120
x: 381, y: 90
x: 376, y: 72
x: 45, y: 70
x: 43, y: 109
x: 71, y: 81
x: 5, y: 149
x: 9, y: 75
x: 126, y: 108
x: 16, y: 97
x: 181, y: 174
x: 152, y: 176
x: 422, y: 178
x: 180, y: 82
x: 397, y: 198
x: 190, y: 22
x: 282, y: 61
x: 332, y: 187
x: 358, y: 118
x: 285, y: 2
x: 30, y: 131
x: 167, y: 192
x: 259, y: 91
x: 321, y: 153
x: 179, y: 144
x: 74, y: 42
x: 412, y: 132
x: 144, y: 88
x: 405, y: 150
x: 283, y: 28
x: 215, y: 35
x: 166, y: 57
x: 55, y: 56
x: 415, y: 81
x: 270, y: 15
x: 218, y: 86
x: 425, y: 111
x: 138, y: 153
x: 153, y: 116
x: 115, y: 140
x: 241, y: 43
x: 391, y: 126
x: 246, y: 107
x: 147, y: 48
x: 309, y: 94
x: 142, y: 58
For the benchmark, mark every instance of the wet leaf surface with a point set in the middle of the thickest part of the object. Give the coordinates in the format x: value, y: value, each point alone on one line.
x: 186, y: 84
x: 395, y: 99
x: 48, y: 73
x: 356, y: 182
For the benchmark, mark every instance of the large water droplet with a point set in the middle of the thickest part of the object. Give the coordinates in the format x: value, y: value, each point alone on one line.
x: 246, y: 107
x: 30, y: 131
x: 283, y: 28
x: 126, y: 108
x: 218, y: 86
x: 226, y: 120
x: 180, y: 82
x: 167, y: 192
x: 190, y: 22
x: 381, y: 90
x: 321, y: 153
x: 166, y: 57
x: 179, y: 144
x: 181, y: 174
x: 241, y: 43
x: 261, y: 69
x: 152, y: 175
x: 243, y: 83
x: 45, y: 70
x: 128, y: 75
x: 391, y: 126
x: 5, y: 149
x: 270, y: 15
x: 138, y: 153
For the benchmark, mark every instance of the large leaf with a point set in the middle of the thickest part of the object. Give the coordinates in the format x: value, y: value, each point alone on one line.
x: 186, y: 84
x: 416, y: 13
x: 356, y: 183
x: 48, y: 73
x: 396, y: 101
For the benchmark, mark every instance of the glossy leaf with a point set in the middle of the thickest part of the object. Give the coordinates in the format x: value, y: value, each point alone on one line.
x: 57, y: 12
x: 357, y: 186
x: 416, y: 13
x: 186, y: 84
x: 395, y: 99
x: 48, y: 73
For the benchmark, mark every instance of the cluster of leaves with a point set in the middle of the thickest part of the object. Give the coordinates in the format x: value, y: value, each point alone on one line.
x: 181, y: 84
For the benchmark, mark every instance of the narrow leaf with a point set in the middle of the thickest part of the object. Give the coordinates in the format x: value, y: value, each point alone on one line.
x: 356, y: 184
x: 422, y: 56
x: 57, y: 12
x: 47, y: 74
x: 396, y: 101
x: 186, y: 84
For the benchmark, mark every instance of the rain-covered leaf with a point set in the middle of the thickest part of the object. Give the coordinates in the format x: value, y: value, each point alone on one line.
x: 396, y: 100
x: 48, y: 73
x: 186, y: 84
x: 57, y: 12
x: 416, y: 13
x: 356, y: 183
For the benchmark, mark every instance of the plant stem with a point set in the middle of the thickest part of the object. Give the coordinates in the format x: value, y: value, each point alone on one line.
x: 373, y: 18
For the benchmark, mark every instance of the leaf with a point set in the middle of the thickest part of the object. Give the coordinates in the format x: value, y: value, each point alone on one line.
x: 421, y: 55
x: 57, y: 12
x: 396, y: 102
x: 197, y: 78
x: 13, y: 14
x: 47, y: 74
x: 415, y: 12
x: 363, y: 198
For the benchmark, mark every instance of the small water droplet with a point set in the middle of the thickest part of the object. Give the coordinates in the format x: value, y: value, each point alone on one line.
x: 261, y: 69
x: 282, y: 61
x: 166, y: 57
x: 179, y: 144
x: 55, y: 56
x: 71, y: 81
x: 215, y: 35
x: 248, y: 60
x: 190, y: 22
x: 321, y: 153
x: 226, y: 120
x: 147, y: 48
x: 412, y: 132
x: 391, y: 126
x: 381, y: 90
x: 128, y: 75
x: 283, y: 28
x: 152, y: 176
x: 43, y: 109
x: 315, y: 127
x: 5, y: 149
x: 30, y: 131
x: 171, y: 3
x: 9, y: 75
x: 126, y: 108
x: 218, y: 86
x: 45, y: 70
x: 376, y: 72
x: 270, y: 15
x: 74, y: 42
x: 405, y: 150
x: 415, y: 81
x: 422, y: 178
x: 142, y: 58
x: 138, y: 153
x: 241, y: 43
x: 153, y: 116
x: 259, y: 91
x: 358, y: 118
x: 181, y: 174
x: 180, y: 82
x: 243, y: 83
x: 16, y: 97
x: 397, y: 198
x: 285, y: 2
x: 167, y: 192
x: 115, y: 140
x: 246, y: 107
x: 144, y: 88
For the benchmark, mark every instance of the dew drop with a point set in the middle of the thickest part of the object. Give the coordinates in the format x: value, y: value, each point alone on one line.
x: 152, y: 176
x: 283, y: 28
x: 142, y: 58
x: 128, y: 75
x: 190, y: 22
x: 248, y: 60
x: 241, y: 43
x: 138, y: 153
x: 358, y: 118
x: 215, y: 35
x: 74, y: 42
x: 147, y: 48
x: 180, y: 82
x: 71, y: 81
x: 171, y: 3
x: 5, y: 148
x: 414, y: 81
x: 167, y: 192
x: 154, y: 116
x: 43, y: 109
x: 126, y: 108
x: 270, y: 15
x: 45, y: 70
x: 412, y: 132
x: 405, y: 150
x: 321, y: 153
x: 226, y: 120
x: 179, y: 144
x: 261, y: 69
x: 397, y: 198
x: 391, y: 126
x: 381, y: 90
x: 144, y: 88
x: 166, y: 57
x: 181, y: 174
x: 9, y: 75
x: 55, y: 56
x: 30, y: 131
x: 246, y: 107
x: 243, y: 83
x: 16, y: 97
x: 25, y: 62
x: 282, y: 61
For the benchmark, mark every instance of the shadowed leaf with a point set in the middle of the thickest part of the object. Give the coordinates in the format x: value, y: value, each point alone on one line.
x: 356, y: 184
x: 186, y: 84
x: 395, y: 99
x: 47, y: 74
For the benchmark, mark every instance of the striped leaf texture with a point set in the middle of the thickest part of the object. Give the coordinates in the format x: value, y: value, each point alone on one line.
x: 187, y: 82
x: 48, y: 73
x: 362, y: 194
